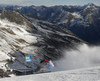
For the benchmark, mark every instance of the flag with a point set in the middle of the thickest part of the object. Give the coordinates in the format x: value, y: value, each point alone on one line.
x: 28, y: 58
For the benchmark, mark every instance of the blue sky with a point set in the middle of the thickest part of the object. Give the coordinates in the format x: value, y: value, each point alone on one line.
x: 49, y: 2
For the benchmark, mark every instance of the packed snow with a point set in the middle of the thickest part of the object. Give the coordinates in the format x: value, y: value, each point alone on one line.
x: 86, y: 74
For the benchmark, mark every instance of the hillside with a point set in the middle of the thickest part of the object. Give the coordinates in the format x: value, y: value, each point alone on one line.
x: 20, y: 38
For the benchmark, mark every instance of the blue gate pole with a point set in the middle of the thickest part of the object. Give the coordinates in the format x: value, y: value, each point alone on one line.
x: 25, y: 63
x: 32, y: 63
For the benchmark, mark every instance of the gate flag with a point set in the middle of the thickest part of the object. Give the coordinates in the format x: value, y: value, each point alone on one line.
x: 28, y: 58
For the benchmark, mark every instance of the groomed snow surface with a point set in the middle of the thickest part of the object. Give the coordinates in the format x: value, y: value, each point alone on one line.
x: 87, y: 74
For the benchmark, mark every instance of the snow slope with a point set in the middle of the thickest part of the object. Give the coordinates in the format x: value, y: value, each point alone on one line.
x: 13, y: 36
x: 86, y: 74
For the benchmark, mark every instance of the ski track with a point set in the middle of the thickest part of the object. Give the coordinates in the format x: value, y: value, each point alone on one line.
x: 87, y: 74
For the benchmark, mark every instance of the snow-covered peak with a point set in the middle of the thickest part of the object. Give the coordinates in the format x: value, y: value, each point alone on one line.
x: 90, y: 9
x: 90, y: 5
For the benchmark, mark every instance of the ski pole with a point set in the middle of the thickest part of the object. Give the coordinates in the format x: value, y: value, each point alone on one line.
x: 37, y: 53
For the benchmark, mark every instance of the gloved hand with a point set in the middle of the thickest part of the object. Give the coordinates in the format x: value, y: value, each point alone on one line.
x: 42, y: 61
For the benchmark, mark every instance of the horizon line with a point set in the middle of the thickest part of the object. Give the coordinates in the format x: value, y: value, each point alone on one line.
x: 47, y: 5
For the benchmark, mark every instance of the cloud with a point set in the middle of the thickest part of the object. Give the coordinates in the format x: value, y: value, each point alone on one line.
x: 27, y: 2
x: 48, y: 2
x: 59, y: 2
x: 15, y: 2
x: 38, y: 2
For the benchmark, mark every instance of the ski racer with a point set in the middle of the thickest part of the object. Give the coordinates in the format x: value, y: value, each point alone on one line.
x: 49, y: 66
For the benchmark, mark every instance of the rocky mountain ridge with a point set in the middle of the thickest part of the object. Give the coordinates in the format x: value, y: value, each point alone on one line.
x: 81, y: 20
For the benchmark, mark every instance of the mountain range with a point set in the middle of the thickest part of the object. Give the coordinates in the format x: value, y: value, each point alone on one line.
x: 81, y: 20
